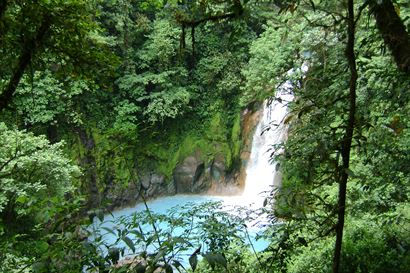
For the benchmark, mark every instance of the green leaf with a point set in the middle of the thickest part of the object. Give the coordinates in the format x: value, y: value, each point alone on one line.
x: 22, y: 199
x: 109, y: 230
x: 42, y: 246
x: 100, y: 215
x: 216, y: 258
x: 193, y: 261
x: 129, y: 243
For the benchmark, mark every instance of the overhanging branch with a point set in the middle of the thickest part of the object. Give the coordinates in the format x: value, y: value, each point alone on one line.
x: 23, y: 61
x: 393, y: 31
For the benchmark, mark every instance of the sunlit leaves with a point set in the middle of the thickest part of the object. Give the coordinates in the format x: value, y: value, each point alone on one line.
x: 183, y: 235
x: 31, y: 171
x: 193, y: 261
x: 43, y: 99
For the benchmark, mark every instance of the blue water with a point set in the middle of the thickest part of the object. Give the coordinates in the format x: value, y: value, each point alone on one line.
x: 130, y: 222
x: 241, y: 225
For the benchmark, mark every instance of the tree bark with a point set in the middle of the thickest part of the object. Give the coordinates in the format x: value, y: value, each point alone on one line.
x: 3, y: 7
x: 347, y: 140
x: 23, y: 61
x: 237, y: 8
x: 193, y: 42
x: 89, y: 163
x: 393, y: 32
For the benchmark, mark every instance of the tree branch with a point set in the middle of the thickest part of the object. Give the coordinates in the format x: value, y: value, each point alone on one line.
x: 3, y: 7
x: 348, y: 136
x: 238, y: 11
x: 24, y: 60
x: 393, y: 32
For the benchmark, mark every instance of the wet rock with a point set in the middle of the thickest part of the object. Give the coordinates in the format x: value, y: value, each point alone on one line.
x: 154, y: 184
x: 218, y: 169
x: 170, y: 188
x: 185, y: 174
x: 146, y: 181
x: 203, y: 180
x: 249, y: 120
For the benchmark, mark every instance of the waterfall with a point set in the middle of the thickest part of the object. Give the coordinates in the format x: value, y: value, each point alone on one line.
x: 261, y: 172
x: 261, y: 175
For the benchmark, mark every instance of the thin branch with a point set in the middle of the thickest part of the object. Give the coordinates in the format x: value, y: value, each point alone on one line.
x: 359, y: 13
x: 24, y: 60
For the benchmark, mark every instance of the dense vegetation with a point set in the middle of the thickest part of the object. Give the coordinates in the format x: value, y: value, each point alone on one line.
x: 94, y: 92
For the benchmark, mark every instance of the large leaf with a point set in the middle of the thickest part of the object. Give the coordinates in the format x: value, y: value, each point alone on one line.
x: 109, y: 230
x: 216, y: 258
x: 193, y: 261
x: 129, y: 243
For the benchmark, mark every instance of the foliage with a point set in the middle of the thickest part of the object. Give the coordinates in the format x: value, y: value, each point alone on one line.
x: 46, y: 35
x: 135, y: 86
x: 36, y: 203
x: 46, y: 100
x: 33, y: 173
x: 165, y: 240
x: 311, y: 163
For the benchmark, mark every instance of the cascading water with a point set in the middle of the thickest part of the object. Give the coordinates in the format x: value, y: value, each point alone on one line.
x: 261, y: 171
x: 261, y: 175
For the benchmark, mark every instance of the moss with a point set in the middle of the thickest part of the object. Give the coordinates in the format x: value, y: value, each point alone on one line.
x: 236, y: 136
x: 217, y: 128
x: 121, y: 160
x: 210, y: 142
x: 207, y: 147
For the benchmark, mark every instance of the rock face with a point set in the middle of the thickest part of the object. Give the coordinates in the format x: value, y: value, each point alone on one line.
x: 155, y: 184
x: 195, y: 173
x: 187, y: 174
x: 195, y: 176
x: 151, y: 185
x: 249, y: 120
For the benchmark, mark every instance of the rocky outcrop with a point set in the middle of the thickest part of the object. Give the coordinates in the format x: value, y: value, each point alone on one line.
x: 193, y: 175
x: 155, y: 184
x: 150, y: 184
x: 201, y: 171
x: 249, y: 120
x: 188, y: 174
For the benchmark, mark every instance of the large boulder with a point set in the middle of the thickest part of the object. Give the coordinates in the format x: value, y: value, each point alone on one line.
x: 193, y: 175
x: 187, y: 173
x: 203, y: 180
x: 155, y: 185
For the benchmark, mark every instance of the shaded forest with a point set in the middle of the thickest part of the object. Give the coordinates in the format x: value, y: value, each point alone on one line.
x: 95, y: 96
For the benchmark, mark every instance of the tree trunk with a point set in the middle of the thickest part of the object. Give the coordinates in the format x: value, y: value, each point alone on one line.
x: 89, y: 164
x: 23, y: 61
x: 3, y: 7
x: 193, y: 44
x: 393, y: 32
x: 347, y: 140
